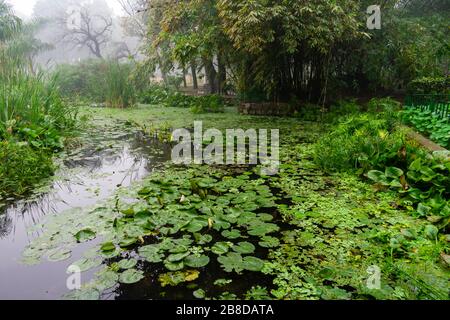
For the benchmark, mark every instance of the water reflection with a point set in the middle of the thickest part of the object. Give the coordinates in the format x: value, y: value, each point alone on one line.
x: 88, y: 175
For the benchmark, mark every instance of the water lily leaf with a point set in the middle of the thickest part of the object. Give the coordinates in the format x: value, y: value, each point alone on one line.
x: 86, y: 264
x: 195, y: 226
x: 106, y: 279
x: 151, y: 253
x: 203, y: 239
x: 253, y: 264
x: 177, y: 256
x: 107, y: 246
x: 196, y: 261
x: 244, y: 248
x: 175, y: 278
x: 174, y: 266
x: 222, y: 282
x: 249, y: 206
x: 85, y: 235
x: 127, y: 242
x: 110, y: 254
x: 127, y: 264
x: 59, y: 255
x: 220, y: 224
x: 265, y: 217
x: 246, y: 218
x: 269, y: 242
x: 128, y: 212
x: 261, y: 229
x: 131, y: 276
x: 199, y: 294
x: 231, y: 234
x: 85, y: 294
x: 231, y: 261
x: 220, y: 248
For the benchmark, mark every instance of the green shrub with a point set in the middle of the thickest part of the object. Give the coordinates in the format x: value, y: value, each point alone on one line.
x: 178, y: 100
x: 32, y: 110
x: 362, y: 142
x: 387, y: 105
x: 155, y: 94
x: 428, y: 85
x: 425, y: 183
x: 33, y: 121
x: 22, y: 167
x: 344, y: 108
x: 208, y: 104
x: 429, y: 123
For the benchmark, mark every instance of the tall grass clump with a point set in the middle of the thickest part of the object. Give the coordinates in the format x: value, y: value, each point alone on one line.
x: 98, y: 81
x: 119, y: 90
x: 33, y: 117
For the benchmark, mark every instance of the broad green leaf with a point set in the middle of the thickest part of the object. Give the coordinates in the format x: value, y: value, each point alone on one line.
x: 85, y: 235
x: 131, y: 276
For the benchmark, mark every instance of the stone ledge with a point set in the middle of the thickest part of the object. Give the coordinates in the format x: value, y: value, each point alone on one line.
x: 424, y: 142
x: 266, y: 109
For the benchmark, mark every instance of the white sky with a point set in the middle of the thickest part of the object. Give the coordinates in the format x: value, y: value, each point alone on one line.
x: 26, y: 6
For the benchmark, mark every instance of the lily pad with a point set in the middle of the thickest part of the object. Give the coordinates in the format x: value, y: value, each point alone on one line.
x: 231, y: 262
x: 203, y: 239
x: 106, y: 279
x: 262, y: 229
x: 175, y: 278
x: 253, y: 264
x: 85, y: 264
x: 231, y: 234
x: 151, y: 254
x: 220, y: 248
x: 85, y: 294
x: 59, y: 255
x: 107, y: 247
x: 269, y: 242
x: 199, y: 294
x: 244, y: 248
x: 131, y: 276
x: 85, y: 235
x: 174, y: 266
x: 127, y: 264
x: 177, y: 256
x: 196, y: 261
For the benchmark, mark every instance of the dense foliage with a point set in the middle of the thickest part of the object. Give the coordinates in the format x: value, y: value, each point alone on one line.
x: 101, y: 81
x: 429, y: 123
x: 33, y: 118
x: 309, y: 50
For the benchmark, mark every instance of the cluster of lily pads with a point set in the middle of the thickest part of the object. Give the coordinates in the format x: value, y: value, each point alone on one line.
x: 181, y: 221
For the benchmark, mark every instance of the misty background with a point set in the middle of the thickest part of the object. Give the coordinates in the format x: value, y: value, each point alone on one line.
x: 104, y: 30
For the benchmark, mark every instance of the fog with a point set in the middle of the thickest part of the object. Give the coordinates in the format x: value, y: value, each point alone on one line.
x: 72, y: 30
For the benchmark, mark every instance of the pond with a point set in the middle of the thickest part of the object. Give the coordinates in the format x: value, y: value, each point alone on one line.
x: 108, y: 158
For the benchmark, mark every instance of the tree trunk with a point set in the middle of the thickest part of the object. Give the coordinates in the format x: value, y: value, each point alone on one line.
x: 194, y: 75
x: 184, y: 77
x: 222, y: 74
x: 211, y: 75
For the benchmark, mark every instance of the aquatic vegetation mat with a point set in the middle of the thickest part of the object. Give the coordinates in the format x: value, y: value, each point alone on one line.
x: 227, y: 233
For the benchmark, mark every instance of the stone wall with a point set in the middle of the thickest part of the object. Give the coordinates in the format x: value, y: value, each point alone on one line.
x: 266, y: 109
